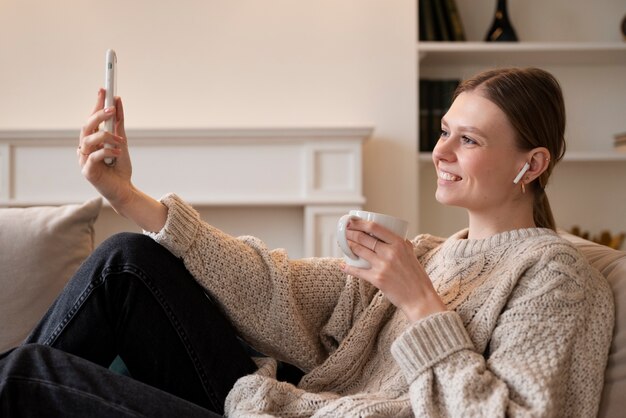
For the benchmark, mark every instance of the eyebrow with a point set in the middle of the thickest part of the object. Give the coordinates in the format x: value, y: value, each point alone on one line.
x: 467, y: 128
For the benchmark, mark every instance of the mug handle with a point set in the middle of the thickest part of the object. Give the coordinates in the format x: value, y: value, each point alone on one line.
x: 342, y: 241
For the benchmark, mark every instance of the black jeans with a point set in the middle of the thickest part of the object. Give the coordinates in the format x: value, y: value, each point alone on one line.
x: 131, y: 298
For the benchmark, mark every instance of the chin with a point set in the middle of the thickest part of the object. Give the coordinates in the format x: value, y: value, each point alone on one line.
x: 445, y: 198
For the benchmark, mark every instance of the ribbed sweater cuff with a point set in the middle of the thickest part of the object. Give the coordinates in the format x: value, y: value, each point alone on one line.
x: 429, y: 341
x: 180, y: 227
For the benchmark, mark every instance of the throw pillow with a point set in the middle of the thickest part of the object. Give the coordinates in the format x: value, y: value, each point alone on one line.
x: 40, y: 249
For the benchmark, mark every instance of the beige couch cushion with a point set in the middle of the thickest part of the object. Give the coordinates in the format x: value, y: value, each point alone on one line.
x: 612, y: 264
x: 40, y: 249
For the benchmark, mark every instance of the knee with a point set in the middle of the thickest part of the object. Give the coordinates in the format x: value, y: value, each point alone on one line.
x: 32, y: 351
x: 127, y: 242
x: 24, y: 358
x: 129, y: 246
x: 21, y: 369
x: 131, y: 249
x: 120, y: 250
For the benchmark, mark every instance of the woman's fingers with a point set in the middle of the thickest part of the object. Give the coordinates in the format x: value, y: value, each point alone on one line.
x: 93, y: 167
x: 91, y: 138
x: 97, y: 140
x: 94, y: 121
x: 119, y: 117
x: 361, y: 239
x: 366, y: 233
x: 92, y: 141
x: 374, y: 229
x: 99, y: 101
x: 102, y: 153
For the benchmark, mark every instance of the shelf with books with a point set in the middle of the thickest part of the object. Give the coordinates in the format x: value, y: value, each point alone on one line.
x: 521, y: 53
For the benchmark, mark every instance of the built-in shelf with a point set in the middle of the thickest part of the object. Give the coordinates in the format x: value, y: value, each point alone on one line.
x: 574, y: 156
x: 594, y: 156
x: 520, y: 53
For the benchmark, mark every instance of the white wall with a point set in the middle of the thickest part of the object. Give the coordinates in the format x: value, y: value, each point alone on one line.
x: 228, y: 63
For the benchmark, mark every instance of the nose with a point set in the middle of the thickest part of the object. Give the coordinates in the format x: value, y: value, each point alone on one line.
x: 444, y: 150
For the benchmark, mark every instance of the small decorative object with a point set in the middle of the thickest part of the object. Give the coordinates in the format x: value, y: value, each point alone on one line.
x: 605, y: 237
x: 501, y: 29
x: 619, y: 142
x: 624, y: 27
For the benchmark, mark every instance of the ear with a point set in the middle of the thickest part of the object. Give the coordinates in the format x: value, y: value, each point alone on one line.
x: 539, y: 160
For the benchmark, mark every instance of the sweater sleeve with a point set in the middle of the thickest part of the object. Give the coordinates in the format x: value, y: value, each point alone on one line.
x: 281, y: 307
x: 546, y: 355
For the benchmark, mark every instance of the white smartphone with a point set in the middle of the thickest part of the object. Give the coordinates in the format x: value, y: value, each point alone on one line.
x: 110, y: 84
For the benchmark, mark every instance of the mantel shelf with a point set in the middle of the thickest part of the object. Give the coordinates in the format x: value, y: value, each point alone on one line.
x: 521, y: 53
x: 215, y: 201
x: 198, y: 136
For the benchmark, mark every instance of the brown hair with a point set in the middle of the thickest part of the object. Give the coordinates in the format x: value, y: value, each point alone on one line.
x: 532, y: 100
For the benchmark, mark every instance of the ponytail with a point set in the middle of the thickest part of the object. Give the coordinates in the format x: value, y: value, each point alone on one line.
x: 542, y: 213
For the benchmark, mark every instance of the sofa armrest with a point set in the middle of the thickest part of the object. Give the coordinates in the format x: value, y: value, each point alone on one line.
x: 612, y: 264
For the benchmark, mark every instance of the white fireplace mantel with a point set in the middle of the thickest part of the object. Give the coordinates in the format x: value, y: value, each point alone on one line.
x: 317, y: 169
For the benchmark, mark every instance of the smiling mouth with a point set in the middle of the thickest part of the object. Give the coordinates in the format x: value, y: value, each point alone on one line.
x: 448, y: 176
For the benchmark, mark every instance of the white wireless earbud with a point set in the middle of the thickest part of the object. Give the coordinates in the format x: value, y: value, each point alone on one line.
x: 521, y: 173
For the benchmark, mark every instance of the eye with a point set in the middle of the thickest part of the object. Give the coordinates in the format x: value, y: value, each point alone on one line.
x: 466, y: 140
x: 443, y: 133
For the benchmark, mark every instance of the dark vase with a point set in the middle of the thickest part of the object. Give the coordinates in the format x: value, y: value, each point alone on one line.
x: 501, y: 29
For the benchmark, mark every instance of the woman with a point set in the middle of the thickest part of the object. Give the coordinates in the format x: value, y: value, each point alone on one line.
x: 502, y: 318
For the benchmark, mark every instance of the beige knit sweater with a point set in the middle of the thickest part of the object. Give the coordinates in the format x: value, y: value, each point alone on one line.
x: 527, y: 332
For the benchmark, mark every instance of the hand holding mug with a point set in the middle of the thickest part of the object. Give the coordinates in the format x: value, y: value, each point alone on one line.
x: 395, y: 225
x: 391, y: 266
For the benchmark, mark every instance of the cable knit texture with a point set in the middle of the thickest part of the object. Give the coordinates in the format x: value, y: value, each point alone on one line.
x: 527, y: 332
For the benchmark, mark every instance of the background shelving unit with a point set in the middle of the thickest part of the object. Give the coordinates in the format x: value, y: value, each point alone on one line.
x: 539, y: 53
x: 589, y: 187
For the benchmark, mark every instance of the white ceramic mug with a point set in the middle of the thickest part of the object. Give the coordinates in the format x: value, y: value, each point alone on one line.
x: 395, y: 225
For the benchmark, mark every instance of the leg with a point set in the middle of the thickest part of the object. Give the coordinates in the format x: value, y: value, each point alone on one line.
x: 37, y: 380
x: 132, y: 297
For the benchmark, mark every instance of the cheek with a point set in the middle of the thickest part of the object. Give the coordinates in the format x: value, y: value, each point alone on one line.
x: 479, y: 172
x: 485, y: 176
x: 490, y: 174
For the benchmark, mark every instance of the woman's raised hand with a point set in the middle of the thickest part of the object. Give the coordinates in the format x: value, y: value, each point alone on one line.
x: 113, y: 182
x: 394, y: 269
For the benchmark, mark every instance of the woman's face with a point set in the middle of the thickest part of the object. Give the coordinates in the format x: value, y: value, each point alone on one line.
x: 476, y: 157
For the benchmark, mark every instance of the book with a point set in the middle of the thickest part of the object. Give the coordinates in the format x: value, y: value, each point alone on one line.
x: 439, y: 20
x: 435, y: 98
x: 441, y: 27
x: 436, y: 113
x: 427, y: 17
x: 455, y: 25
x: 424, y: 115
x: 421, y: 28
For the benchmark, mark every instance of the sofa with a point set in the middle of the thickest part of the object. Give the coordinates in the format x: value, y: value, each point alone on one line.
x: 41, y: 247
